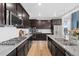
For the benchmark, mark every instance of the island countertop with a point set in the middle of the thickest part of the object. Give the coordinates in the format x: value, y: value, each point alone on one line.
x: 6, y: 49
x: 73, y: 50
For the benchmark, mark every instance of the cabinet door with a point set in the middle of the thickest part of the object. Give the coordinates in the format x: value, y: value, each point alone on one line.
x: 13, y: 53
x: 58, y: 52
x: 2, y: 19
x: 19, y: 10
x: 33, y: 22
x: 53, y: 50
x: 52, y: 27
x: 49, y: 44
x: 21, y: 50
x: 26, y: 47
x: 43, y: 24
x: 57, y: 21
x: 26, y: 23
x: 11, y: 7
x: 25, y: 19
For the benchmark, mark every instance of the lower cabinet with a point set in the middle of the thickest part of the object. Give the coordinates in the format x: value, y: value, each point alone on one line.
x: 27, y: 45
x: 26, y: 49
x: 60, y: 52
x: 49, y: 45
x: 13, y: 53
x: 22, y: 49
x: 39, y: 36
x: 55, y: 49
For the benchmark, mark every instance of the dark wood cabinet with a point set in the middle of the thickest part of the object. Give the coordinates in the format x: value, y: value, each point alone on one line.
x: 51, y: 47
x: 26, y: 21
x: 16, y: 9
x: 33, y: 22
x: 41, y: 24
x: 26, y: 47
x: 2, y: 15
x: 23, y: 15
x: 55, y: 49
x: 19, y: 10
x: 21, y: 50
x: 11, y: 7
x: 39, y: 36
x: 13, y: 53
x: 57, y: 21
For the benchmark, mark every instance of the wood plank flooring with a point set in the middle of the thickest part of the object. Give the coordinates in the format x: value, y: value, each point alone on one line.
x: 39, y: 48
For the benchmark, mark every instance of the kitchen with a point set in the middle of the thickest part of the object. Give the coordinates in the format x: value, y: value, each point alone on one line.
x: 39, y: 29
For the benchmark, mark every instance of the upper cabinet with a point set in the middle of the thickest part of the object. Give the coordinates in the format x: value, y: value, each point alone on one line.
x: 25, y: 17
x: 56, y: 21
x: 41, y: 24
x: 18, y: 10
x: 2, y: 17
x: 11, y: 7
x: 33, y: 23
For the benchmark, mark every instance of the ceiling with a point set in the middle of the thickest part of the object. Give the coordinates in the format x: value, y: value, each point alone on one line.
x: 48, y: 10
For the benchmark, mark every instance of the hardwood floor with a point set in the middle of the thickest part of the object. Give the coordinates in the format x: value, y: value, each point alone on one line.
x: 39, y: 48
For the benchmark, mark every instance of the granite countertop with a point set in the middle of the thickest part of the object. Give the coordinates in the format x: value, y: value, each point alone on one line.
x: 6, y: 49
x: 73, y: 50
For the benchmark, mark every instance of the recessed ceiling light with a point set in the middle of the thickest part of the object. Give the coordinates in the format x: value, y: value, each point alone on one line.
x: 39, y: 4
x: 55, y: 14
x: 65, y: 9
x: 39, y: 14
